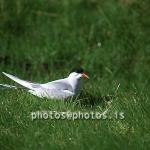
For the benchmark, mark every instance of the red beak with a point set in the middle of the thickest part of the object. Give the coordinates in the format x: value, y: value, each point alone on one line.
x: 85, y: 76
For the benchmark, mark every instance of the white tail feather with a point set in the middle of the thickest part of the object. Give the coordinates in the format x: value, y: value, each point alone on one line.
x: 19, y: 81
x: 7, y: 86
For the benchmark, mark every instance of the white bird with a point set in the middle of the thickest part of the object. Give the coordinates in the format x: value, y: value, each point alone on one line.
x: 58, y: 89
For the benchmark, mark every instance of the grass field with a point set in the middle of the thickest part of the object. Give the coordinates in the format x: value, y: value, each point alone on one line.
x: 42, y: 40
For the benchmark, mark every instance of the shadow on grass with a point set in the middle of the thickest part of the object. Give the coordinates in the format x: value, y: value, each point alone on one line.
x: 87, y: 99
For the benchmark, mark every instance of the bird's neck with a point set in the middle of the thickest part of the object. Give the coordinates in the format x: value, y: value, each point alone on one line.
x: 76, y: 85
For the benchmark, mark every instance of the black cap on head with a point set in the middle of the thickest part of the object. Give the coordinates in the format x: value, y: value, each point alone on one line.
x: 78, y: 70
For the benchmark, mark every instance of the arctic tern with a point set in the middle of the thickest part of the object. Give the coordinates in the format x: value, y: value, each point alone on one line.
x: 58, y: 89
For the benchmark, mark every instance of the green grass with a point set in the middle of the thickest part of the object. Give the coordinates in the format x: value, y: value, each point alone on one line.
x: 43, y: 40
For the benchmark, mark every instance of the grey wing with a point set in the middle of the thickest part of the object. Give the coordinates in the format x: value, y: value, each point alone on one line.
x: 58, y: 85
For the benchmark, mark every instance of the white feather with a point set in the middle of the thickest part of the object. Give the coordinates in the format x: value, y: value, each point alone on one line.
x: 58, y: 89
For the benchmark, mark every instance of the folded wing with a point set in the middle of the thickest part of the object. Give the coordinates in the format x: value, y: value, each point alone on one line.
x: 61, y: 84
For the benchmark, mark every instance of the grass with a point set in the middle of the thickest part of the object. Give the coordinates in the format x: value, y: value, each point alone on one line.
x: 44, y: 40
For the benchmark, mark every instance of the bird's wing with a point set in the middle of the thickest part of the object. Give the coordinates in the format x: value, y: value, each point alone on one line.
x: 26, y: 84
x: 61, y: 84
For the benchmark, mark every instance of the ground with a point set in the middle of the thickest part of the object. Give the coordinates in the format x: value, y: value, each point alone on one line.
x: 43, y: 40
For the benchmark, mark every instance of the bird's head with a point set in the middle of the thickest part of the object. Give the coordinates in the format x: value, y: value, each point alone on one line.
x: 78, y: 73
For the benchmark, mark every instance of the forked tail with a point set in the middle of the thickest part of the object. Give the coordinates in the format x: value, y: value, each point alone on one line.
x: 5, y: 86
x: 25, y: 84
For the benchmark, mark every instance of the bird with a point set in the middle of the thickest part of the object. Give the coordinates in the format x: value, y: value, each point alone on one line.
x: 58, y: 89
